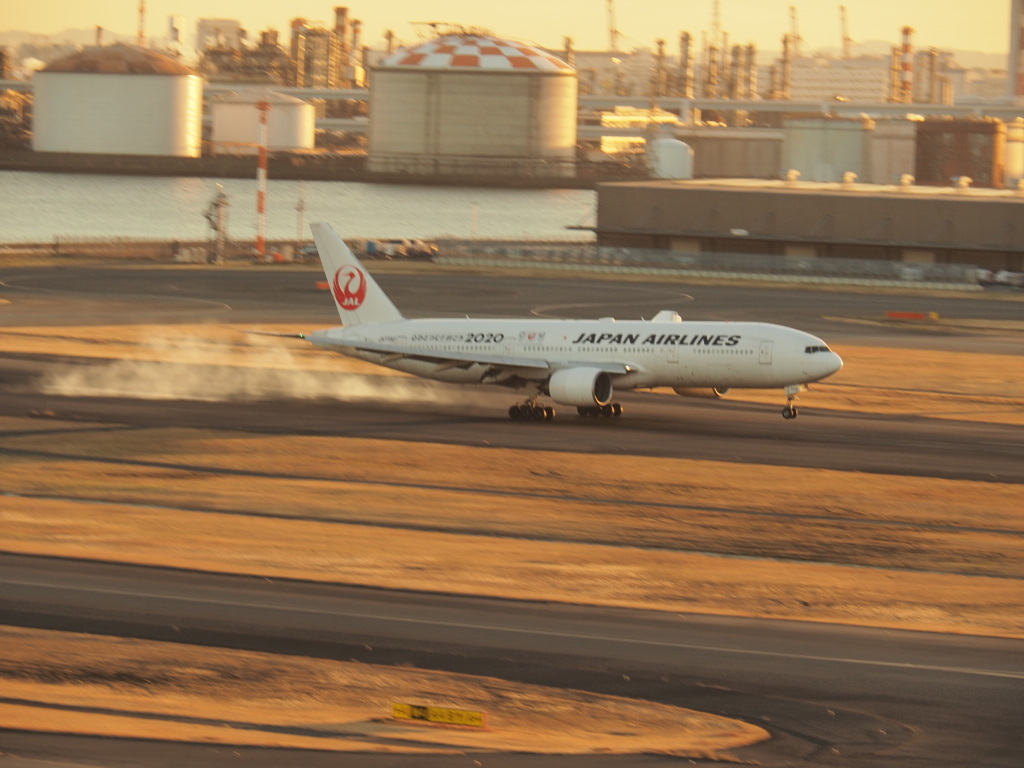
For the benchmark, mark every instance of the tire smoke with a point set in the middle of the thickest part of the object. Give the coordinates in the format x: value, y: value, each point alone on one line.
x: 255, y: 368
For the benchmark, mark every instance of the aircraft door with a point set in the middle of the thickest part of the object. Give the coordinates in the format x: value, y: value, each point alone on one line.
x: 765, y: 355
x: 510, y: 348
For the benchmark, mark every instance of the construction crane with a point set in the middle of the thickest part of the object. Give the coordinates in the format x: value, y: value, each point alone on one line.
x: 140, y: 36
x: 844, y: 25
x: 613, y: 31
x: 442, y: 28
x: 716, y: 24
x: 795, y: 31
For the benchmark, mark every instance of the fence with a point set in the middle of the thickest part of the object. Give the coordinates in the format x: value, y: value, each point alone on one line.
x: 587, y: 256
x: 182, y: 251
x: 577, y: 256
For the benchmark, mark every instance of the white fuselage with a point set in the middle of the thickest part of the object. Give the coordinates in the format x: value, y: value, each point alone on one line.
x: 638, y: 353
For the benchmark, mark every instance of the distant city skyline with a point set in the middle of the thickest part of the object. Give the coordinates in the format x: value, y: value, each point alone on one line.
x: 984, y: 26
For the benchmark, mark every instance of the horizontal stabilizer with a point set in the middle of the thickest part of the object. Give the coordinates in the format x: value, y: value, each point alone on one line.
x: 277, y: 335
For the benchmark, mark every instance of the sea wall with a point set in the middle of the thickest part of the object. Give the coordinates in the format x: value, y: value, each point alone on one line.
x: 309, y: 166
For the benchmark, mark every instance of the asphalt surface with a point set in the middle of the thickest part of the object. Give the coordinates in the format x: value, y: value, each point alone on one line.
x: 829, y: 695
x: 832, y: 695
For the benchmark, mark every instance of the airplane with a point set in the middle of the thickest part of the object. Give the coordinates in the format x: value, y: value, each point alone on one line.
x: 574, y: 362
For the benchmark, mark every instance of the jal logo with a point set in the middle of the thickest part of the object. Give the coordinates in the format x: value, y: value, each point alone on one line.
x: 349, y: 287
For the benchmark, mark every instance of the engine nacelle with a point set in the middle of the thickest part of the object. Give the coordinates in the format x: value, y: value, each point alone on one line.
x: 715, y: 392
x: 580, y: 386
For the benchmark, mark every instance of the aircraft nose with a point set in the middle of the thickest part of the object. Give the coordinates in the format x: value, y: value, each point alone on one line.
x: 834, y: 363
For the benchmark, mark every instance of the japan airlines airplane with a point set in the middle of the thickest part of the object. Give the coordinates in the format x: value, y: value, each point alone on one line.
x: 574, y: 362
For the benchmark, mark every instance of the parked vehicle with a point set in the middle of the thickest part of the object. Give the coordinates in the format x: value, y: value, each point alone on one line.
x: 400, y: 248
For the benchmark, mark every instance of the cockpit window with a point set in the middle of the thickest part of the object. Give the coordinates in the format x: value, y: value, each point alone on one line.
x: 813, y: 349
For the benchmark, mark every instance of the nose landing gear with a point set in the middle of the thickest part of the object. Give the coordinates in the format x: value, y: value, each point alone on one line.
x: 790, y: 411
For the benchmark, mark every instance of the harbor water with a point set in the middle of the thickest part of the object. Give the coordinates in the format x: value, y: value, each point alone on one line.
x: 39, y: 207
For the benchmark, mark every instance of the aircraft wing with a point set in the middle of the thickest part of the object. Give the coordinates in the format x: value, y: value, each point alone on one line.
x: 453, y: 359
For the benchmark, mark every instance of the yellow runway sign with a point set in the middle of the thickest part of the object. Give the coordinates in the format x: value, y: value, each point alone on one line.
x: 440, y: 715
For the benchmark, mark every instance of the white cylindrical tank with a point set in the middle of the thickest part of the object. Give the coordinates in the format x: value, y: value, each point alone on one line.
x: 120, y: 100
x: 891, y: 151
x: 291, y: 122
x: 824, y: 148
x: 1014, y: 164
x: 670, y: 159
x: 471, y: 105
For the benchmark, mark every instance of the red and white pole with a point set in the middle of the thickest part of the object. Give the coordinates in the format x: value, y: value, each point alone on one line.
x: 907, y: 86
x: 261, y: 178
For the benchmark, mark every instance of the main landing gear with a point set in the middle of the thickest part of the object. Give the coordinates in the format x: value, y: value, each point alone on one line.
x: 610, y: 409
x: 530, y: 411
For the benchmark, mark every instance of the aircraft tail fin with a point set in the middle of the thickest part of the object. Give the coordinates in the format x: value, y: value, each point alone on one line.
x: 356, y: 294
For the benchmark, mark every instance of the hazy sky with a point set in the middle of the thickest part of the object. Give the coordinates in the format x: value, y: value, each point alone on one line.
x: 981, y: 25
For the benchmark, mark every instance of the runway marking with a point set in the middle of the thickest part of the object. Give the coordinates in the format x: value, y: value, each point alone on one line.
x: 546, y: 633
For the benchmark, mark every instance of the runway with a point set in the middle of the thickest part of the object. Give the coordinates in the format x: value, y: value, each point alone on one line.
x: 829, y: 695
x: 653, y: 426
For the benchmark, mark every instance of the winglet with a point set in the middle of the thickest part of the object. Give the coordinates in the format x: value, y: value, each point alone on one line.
x: 356, y: 295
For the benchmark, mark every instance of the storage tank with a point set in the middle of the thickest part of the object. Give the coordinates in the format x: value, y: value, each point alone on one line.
x: 826, y: 148
x: 950, y: 149
x: 470, y: 104
x: 291, y: 122
x: 892, y: 151
x: 121, y: 100
x: 1014, y: 168
x: 669, y: 158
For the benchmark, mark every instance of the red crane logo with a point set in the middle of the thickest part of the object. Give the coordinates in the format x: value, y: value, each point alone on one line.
x: 349, y: 287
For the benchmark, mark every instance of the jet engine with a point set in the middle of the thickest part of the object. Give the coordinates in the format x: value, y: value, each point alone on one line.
x: 715, y: 392
x: 580, y: 386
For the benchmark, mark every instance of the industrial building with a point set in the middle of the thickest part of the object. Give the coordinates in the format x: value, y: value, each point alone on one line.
x: 219, y: 33
x: 118, y: 99
x: 327, y: 58
x: 805, y: 220
x: 861, y: 79
x: 265, y: 63
x: 446, y: 108
x: 473, y: 104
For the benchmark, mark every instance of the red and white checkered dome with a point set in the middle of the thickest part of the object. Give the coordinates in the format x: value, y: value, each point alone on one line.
x: 476, y: 52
